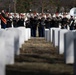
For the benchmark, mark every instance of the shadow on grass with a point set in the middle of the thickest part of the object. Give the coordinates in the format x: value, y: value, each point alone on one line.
x: 27, y: 72
x: 39, y: 58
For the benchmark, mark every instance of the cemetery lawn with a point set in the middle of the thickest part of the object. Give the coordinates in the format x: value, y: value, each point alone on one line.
x: 39, y: 57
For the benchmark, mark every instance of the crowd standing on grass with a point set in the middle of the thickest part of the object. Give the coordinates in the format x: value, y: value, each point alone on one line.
x: 37, y: 21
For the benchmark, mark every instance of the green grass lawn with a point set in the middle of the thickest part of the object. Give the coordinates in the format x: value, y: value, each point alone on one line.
x: 39, y: 57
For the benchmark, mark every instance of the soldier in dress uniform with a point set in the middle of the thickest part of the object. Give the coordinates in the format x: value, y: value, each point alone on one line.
x: 56, y: 21
x: 3, y: 19
x: 31, y: 19
x: 15, y: 20
x: 41, y: 27
x: 75, y: 22
x: 9, y: 21
x: 28, y: 23
x: 20, y: 22
x: 71, y: 23
x: 48, y: 23
x: 64, y: 22
x: 34, y: 23
x: 53, y: 22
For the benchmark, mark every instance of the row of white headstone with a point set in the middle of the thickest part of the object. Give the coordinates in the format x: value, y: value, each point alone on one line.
x: 65, y: 40
x: 11, y: 40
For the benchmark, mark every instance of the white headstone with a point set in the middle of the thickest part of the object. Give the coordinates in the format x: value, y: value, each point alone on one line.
x: 55, y: 36
x: 69, y: 47
x: 0, y: 24
x: 60, y: 26
x: 16, y: 35
x: 23, y: 32
x: 61, y: 40
x: 47, y: 35
x: 1, y: 31
x: 29, y: 33
x: 68, y: 27
x: 50, y: 34
x: 2, y: 56
x: 9, y: 44
x: 21, y: 37
x: 75, y: 54
x: 74, y: 31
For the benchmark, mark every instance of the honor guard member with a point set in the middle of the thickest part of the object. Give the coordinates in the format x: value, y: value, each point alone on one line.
x: 9, y: 21
x: 75, y: 22
x: 56, y: 20
x: 41, y: 27
x: 31, y: 19
x: 71, y: 23
x: 48, y: 23
x: 34, y: 26
x: 15, y: 21
x: 53, y: 22
x: 28, y: 23
x: 21, y: 21
x: 3, y: 19
x: 64, y: 22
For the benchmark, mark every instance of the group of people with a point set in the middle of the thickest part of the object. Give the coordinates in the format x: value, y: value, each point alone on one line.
x: 42, y: 22
x: 8, y: 21
x: 37, y: 22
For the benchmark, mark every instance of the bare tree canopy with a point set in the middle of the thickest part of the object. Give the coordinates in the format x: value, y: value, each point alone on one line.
x: 37, y: 5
